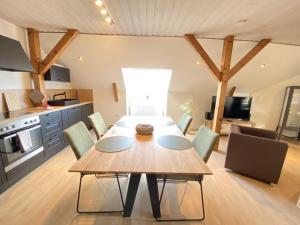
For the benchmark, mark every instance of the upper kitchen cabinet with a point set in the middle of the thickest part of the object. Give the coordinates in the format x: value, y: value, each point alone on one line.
x: 58, y: 73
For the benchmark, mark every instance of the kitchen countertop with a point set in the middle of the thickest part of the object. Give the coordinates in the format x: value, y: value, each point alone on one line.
x: 37, y: 111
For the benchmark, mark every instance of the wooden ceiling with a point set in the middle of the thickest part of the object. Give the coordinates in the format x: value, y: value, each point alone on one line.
x: 275, y: 19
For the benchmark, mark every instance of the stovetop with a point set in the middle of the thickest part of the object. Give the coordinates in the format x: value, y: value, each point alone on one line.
x: 13, y: 114
x: 16, y: 121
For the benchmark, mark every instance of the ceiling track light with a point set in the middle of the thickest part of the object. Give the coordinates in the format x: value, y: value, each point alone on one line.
x: 104, y: 12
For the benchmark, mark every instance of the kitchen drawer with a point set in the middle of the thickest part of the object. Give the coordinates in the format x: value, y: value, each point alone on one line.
x: 49, y: 117
x: 53, y: 144
x: 51, y: 127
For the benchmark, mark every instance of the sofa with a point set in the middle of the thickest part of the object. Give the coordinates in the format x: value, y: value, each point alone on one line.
x: 255, y: 153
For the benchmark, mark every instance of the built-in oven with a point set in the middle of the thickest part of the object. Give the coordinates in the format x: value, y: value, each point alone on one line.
x: 12, y: 151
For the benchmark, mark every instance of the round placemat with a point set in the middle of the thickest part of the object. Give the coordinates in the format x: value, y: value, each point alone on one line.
x: 123, y: 124
x: 174, y: 142
x: 114, y: 144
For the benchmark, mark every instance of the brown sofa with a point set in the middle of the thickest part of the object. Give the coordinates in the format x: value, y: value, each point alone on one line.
x: 255, y: 153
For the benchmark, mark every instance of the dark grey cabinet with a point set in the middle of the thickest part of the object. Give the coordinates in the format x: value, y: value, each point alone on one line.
x: 2, y: 173
x: 65, y: 123
x: 74, y: 115
x: 58, y: 73
x: 54, y: 144
x: 86, y: 110
x: 52, y: 133
x: 52, y: 126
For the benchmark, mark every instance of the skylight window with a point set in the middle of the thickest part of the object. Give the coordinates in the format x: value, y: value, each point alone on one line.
x: 146, y: 91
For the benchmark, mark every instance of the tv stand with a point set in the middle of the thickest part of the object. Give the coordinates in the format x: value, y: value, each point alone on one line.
x: 226, y: 123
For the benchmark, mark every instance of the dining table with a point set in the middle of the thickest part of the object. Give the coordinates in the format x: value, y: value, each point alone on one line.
x: 145, y: 156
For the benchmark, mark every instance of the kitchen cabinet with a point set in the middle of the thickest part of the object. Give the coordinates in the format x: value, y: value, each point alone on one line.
x: 58, y: 73
x: 2, y: 173
x: 74, y: 115
x: 52, y: 126
x: 86, y: 110
x: 65, y: 123
x: 54, y: 144
x: 52, y: 133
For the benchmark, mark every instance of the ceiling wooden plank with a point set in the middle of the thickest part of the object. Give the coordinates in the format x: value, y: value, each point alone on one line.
x: 54, y: 54
x: 250, y: 55
x: 197, y: 46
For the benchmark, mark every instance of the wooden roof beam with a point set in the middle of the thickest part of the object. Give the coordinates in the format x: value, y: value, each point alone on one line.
x: 226, y: 56
x: 222, y: 87
x: 197, y: 46
x: 54, y: 54
x: 250, y: 55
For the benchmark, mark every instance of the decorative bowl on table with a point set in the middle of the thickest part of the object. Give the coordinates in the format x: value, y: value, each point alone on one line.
x: 144, y: 129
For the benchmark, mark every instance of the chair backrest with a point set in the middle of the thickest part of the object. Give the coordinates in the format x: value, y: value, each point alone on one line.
x: 184, y: 123
x: 204, y: 142
x: 98, y: 124
x: 79, y: 139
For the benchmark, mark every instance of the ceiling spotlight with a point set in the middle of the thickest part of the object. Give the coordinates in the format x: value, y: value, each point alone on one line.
x: 103, y: 11
x: 198, y: 62
x: 263, y: 65
x: 108, y: 20
x: 80, y: 58
x: 99, y: 3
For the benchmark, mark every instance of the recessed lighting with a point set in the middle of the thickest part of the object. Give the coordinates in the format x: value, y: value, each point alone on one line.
x: 198, y: 62
x: 108, y: 20
x: 263, y: 65
x: 103, y: 11
x: 80, y: 58
x: 241, y: 22
x: 99, y: 3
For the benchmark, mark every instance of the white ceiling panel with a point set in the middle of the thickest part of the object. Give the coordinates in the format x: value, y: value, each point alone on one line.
x: 276, y: 19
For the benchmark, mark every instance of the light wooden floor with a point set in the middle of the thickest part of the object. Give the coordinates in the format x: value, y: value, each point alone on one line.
x: 48, y: 196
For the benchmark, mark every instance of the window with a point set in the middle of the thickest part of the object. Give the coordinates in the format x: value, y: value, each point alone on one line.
x: 146, y: 91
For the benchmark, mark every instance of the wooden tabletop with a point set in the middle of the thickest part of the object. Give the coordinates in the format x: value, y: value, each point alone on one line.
x: 145, y: 156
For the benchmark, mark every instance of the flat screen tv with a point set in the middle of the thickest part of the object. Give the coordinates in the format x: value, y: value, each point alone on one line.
x: 235, y: 107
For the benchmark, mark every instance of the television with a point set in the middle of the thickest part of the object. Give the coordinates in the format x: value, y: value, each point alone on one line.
x: 235, y: 107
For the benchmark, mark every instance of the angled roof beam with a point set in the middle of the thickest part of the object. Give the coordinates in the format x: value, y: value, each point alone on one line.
x: 54, y: 54
x: 250, y: 55
x: 197, y: 46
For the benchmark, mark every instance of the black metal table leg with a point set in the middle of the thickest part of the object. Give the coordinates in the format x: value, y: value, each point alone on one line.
x: 153, y: 192
x: 131, y: 193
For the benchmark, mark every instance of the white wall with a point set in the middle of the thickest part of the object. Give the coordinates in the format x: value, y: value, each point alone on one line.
x: 105, y: 55
x: 267, y: 103
x: 14, y: 80
x: 112, y: 111
x: 22, y: 80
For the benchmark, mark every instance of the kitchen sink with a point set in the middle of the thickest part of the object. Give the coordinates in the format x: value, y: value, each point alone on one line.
x: 63, y: 102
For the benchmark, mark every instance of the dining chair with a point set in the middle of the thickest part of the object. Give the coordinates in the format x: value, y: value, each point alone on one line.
x: 81, y: 142
x: 203, y: 143
x: 184, y: 123
x: 98, y: 124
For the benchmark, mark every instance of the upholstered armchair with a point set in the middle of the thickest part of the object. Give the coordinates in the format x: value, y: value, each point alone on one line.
x: 255, y: 153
